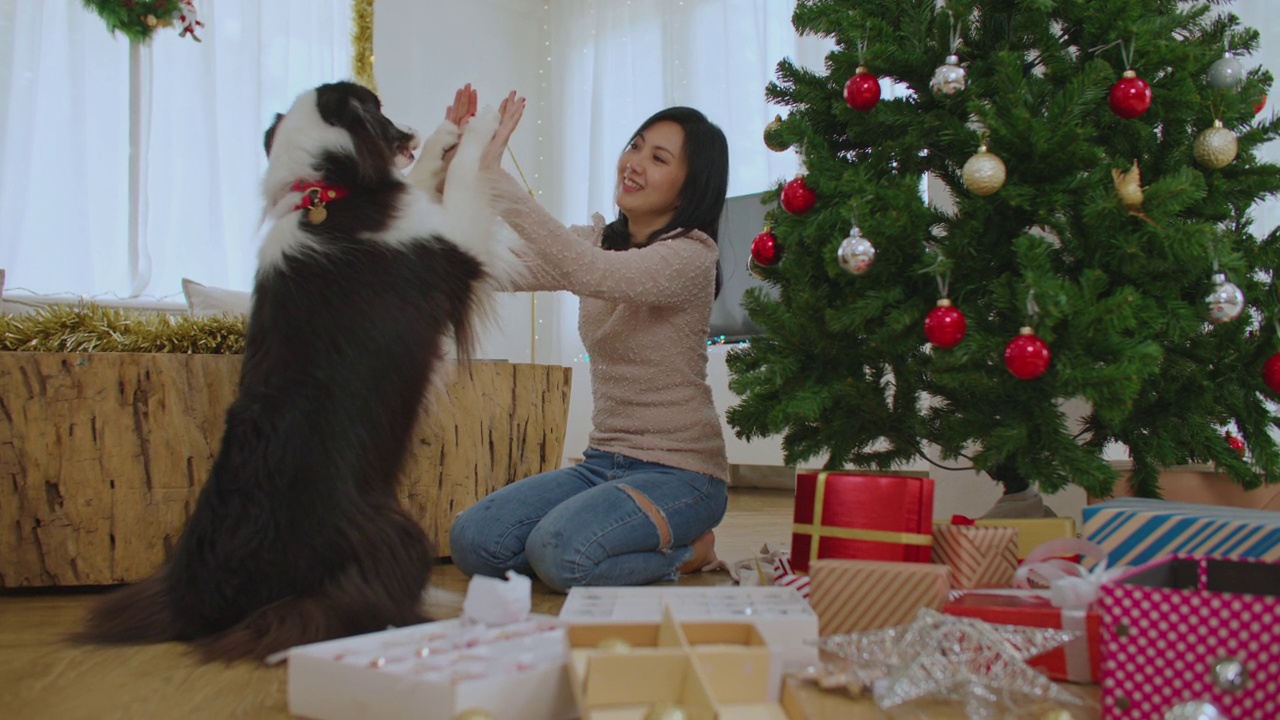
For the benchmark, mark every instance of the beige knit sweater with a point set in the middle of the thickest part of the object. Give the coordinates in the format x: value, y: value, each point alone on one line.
x: 644, y: 316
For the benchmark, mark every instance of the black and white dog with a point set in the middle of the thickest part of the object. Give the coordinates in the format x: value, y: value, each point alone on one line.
x: 365, y: 283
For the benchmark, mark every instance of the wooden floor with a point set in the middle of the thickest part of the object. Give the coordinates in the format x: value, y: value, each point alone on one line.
x: 43, y: 676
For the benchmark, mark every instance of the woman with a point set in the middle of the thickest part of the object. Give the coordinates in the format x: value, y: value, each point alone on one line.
x: 652, y: 485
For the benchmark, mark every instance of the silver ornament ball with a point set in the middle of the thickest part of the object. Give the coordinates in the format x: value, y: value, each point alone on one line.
x: 856, y: 253
x: 983, y: 173
x: 1226, y: 73
x: 1229, y: 675
x: 1226, y: 302
x: 1195, y: 710
x: 949, y: 78
x: 1215, y: 147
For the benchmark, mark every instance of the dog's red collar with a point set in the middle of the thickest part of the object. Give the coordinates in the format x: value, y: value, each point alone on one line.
x: 315, y: 193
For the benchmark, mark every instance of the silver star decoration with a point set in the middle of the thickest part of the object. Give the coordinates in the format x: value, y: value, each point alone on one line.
x: 954, y: 658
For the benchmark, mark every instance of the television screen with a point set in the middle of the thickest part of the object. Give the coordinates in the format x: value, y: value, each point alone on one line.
x: 741, y: 221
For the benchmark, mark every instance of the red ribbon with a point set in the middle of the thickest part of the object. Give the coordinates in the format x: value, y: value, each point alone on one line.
x: 962, y: 520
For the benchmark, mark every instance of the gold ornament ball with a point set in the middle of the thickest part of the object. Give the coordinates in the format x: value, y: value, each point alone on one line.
x: 613, y: 644
x: 1129, y: 186
x: 771, y: 139
x: 150, y: 20
x: 474, y: 714
x: 1215, y: 147
x: 983, y: 173
x: 1058, y: 714
x: 666, y: 711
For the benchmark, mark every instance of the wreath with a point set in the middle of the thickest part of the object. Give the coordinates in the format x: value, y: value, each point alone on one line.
x: 138, y: 19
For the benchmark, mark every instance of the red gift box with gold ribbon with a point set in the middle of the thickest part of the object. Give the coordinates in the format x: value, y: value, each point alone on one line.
x: 862, y: 517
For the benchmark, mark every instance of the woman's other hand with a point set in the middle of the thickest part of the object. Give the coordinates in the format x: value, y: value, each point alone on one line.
x: 509, y: 112
x: 463, y: 107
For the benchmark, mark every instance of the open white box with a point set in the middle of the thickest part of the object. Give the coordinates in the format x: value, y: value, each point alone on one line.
x: 711, y: 670
x: 434, y: 671
x: 783, y: 617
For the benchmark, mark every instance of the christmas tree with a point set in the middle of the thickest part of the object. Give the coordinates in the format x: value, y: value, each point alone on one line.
x: 1091, y: 170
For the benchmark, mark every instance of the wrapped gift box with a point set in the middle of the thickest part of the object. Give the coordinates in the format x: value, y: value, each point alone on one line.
x: 979, y: 556
x: 782, y: 616
x: 1033, y: 532
x: 1192, y: 629
x: 867, y: 517
x: 1077, y: 661
x: 1135, y: 531
x: 711, y: 670
x: 434, y: 671
x: 856, y: 595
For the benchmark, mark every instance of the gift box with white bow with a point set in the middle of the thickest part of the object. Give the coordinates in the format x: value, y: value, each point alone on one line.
x: 1050, y: 591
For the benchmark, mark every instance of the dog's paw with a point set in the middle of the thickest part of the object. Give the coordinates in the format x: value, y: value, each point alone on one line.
x: 484, y: 124
x: 444, y: 137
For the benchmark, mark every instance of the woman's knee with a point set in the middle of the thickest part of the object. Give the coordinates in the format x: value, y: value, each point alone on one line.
x: 474, y: 547
x: 549, y: 553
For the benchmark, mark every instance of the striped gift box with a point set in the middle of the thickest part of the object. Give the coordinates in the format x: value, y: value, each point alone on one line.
x: 1135, y: 531
x: 856, y: 595
x: 979, y: 557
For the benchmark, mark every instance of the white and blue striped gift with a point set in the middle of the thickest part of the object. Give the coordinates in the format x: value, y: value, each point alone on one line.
x: 1134, y: 531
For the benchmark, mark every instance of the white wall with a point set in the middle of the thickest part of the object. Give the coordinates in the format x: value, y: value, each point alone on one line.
x: 426, y: 49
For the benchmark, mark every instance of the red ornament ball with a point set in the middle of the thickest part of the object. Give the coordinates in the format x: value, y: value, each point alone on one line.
x: 797, y: 197
x: 945, y: 325
x: 1130, y: 96
x: 1271, y: 373
x: 1262, y: 102
x: 1234, y: 443
x: 765, y: 249
x: 862, y: 91
x: 1027, y: 356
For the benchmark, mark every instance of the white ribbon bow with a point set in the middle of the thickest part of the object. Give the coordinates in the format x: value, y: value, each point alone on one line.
x: 1070, y: 585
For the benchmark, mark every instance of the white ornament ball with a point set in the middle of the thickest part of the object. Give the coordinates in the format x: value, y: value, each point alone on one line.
x: 1227, y: 73
x: 983, y: 173
x: 949, y: 78
x: 1215, y: 147
x: 856, y: 253
x: 1226, y: 302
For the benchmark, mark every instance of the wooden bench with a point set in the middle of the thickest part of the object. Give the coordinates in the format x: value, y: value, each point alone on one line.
x: 102, y: 455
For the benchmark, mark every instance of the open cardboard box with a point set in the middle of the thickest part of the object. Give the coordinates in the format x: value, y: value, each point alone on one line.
x: 711, y: 670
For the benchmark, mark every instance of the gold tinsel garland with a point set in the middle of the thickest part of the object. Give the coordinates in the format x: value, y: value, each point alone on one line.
x: 93, y: 328
x: 362, y: 43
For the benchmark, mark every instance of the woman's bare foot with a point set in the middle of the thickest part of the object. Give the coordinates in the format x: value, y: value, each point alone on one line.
x: 704, y: 553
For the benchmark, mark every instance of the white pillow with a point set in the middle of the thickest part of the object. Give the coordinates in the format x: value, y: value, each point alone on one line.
x: 203, y: 300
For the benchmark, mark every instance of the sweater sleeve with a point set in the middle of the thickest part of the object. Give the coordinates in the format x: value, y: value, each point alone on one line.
x: 670, y: 272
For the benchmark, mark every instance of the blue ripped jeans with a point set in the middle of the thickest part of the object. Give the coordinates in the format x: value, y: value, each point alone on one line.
x: 582, y: 525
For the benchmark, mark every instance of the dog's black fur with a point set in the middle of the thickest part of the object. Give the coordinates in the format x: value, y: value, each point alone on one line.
x: 298, y: 535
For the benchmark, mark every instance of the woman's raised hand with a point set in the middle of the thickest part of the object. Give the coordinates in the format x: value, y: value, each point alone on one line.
x: 509, y: 113
x: 463, y: 107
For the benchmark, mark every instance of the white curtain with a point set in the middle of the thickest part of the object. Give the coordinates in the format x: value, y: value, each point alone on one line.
x: 197, y: 117
x: 614, y: 63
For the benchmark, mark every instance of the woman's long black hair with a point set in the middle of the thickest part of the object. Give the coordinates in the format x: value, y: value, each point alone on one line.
x: 706, y: 155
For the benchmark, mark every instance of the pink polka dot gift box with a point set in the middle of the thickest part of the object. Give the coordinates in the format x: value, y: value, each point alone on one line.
x: 1193, y: 637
